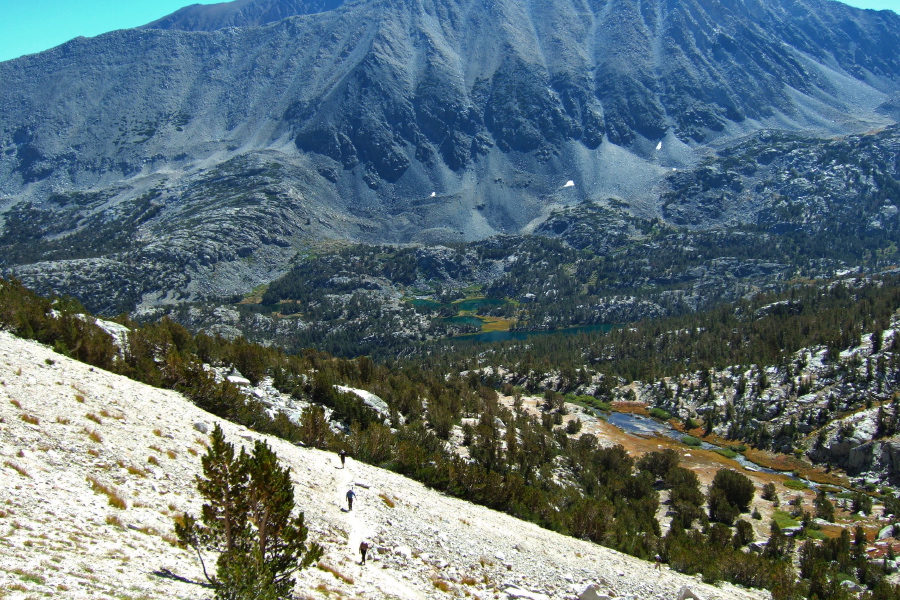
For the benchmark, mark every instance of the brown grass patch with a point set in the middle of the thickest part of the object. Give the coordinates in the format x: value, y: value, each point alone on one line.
x: 387, y: 500
x: 132, y: 470
x: 635, y: 408
x: 339, y: 575
x: 16, y: 403
x: 79, y: 398
x: 93, y: 435
x: 441, y: 585
x: 17, y: 468
x: 496, y: 324
x: 63, y: 421
x: 94, y: 418
x: 785, y: 462
x: 29, y: 419
x: 171, y: 454
x: 115, y: 521
x: 115, y: 500
x: 153, y: 461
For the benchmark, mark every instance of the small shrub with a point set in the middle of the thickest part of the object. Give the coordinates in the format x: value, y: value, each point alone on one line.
x: 79, y: 398
x: 192, y: 452
x: 171, y: 454
x: 157, y: 432
x: 387, y: 500
x: 93, y: 435
x: 153, y: 461
x: 94, y: 418
x: 441, y: 584
x: 63, y: 421
x: 93, y: 452
x: 49, y: 362
x: 16, y: 403
x: 29, y: 419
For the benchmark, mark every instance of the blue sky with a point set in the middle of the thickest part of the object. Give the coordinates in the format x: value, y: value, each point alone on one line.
x: 29, y: 26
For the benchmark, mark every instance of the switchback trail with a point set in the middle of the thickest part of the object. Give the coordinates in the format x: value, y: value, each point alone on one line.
x: 373, y: 573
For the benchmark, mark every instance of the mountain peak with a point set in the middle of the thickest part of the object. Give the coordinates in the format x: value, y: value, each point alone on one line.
x: 239, y: 13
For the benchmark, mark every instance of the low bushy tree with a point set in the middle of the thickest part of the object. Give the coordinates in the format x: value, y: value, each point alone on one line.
x: 248, y: 520
x: 737, y: 489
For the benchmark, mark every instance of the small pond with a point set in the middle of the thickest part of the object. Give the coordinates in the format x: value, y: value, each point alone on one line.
x: 503, y: 336
x: 464, y: 320
x: 478, y: 303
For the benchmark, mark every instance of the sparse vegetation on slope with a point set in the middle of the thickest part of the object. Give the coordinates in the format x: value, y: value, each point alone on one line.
x: 515, y: 458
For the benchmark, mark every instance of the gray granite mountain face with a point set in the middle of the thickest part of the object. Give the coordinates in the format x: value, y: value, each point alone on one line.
x: 395, y: 120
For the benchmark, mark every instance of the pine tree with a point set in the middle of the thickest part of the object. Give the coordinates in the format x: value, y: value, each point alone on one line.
x: 248, y: 520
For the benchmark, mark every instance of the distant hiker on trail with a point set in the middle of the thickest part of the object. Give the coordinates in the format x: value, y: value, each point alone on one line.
x: 658, y: 562
x: 343, y: 456
x: 350, y: 496
x: 363, y: 548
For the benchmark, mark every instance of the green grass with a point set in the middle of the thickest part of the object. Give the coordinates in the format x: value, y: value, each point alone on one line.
x: 690, y: 440
x: 591, y: 402
x: 726, y: 452
x: 662, y: 415
x: 30, y: 577
x: 784, y: 519
x: 793, y: 484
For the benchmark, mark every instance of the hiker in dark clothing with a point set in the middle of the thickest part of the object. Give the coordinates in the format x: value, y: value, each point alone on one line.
x: 343, y: 456
x: 363, y: 548
x: 350, y: 496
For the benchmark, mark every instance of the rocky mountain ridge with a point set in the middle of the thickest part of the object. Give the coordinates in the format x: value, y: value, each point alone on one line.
x: 400, y: 121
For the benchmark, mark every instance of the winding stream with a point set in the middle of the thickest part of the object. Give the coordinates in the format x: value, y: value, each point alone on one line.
x: 646, y: 426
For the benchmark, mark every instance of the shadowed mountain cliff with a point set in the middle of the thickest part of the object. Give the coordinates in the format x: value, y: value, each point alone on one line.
x: 407, y: 120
